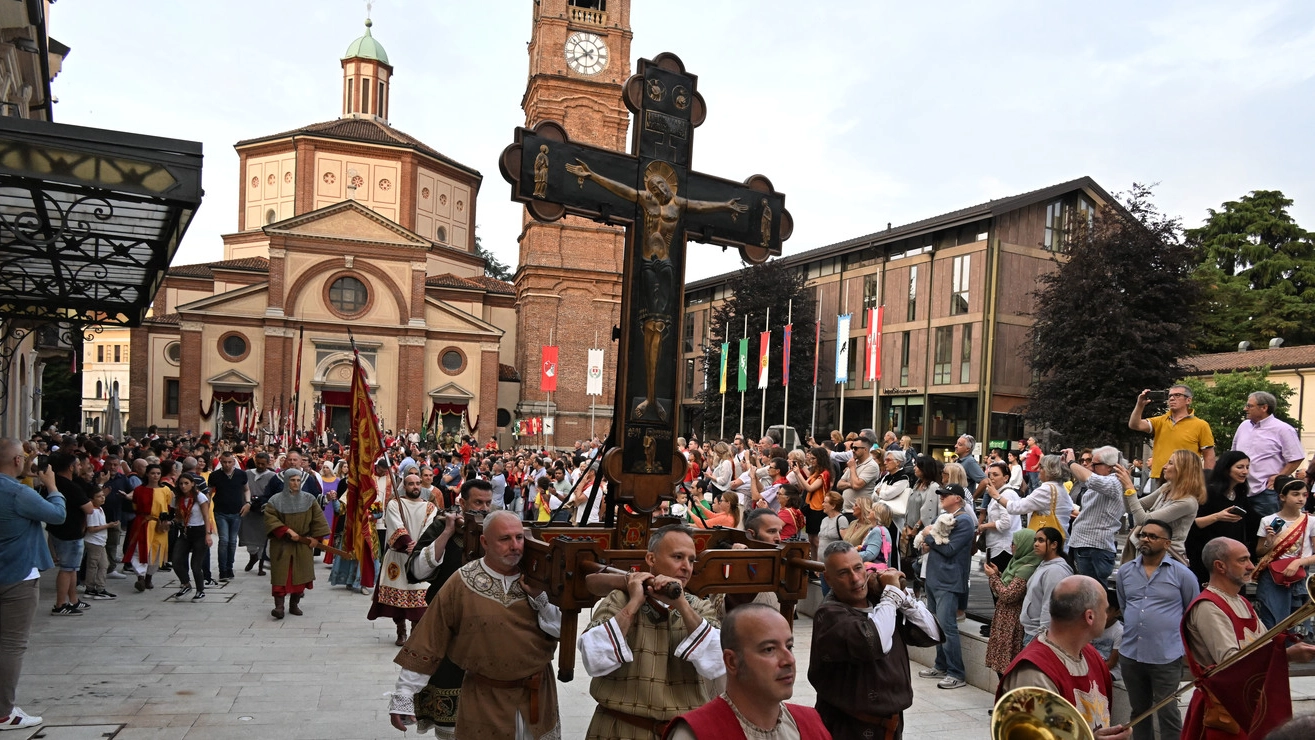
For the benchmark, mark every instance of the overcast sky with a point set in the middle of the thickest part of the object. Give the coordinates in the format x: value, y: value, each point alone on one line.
x: 862, y: 113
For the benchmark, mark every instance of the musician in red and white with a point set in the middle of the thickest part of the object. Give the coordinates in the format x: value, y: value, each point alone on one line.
x: 1218, y: 624
x: 1061, y: 658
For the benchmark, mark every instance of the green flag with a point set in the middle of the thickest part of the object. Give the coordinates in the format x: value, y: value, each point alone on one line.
x: 744, y: 364
x: 725, y: 351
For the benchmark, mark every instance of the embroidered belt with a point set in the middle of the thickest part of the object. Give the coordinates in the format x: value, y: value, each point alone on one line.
x: 889, y: 723
x: 655, y: 726
x: 531, y: 683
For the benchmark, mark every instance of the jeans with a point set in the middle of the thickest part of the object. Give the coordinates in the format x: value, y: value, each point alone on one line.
x: 1276, y: 602
x: 227, y: 526
x: 949, y: 657
x: 18, y: 604
x: 1096, y: 562
x: 1033, y: 480
x: 68, y: 553
x: 191, y: 544
x: 1148, y: 683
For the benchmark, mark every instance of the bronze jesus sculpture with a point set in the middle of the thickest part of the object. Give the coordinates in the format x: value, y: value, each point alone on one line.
x: 663, y: 210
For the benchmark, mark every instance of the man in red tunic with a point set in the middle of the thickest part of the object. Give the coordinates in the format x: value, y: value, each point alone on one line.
x: 1219, y: 623
x: 758, y: 651
x: 1061, y: 658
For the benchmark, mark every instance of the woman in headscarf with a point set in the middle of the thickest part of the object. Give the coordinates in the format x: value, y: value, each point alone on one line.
x: 293, y: 520
x: 1009, y: 587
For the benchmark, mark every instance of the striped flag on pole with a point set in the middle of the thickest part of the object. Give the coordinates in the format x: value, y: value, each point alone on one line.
x: 842, y: 348
x: 873, y: 367
x: 725, y: 353
x: 764, y: 349
x: 785, y: 356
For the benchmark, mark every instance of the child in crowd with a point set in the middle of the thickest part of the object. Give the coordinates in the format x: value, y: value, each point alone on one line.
x: 98, y: 562
x: 1112, y: 638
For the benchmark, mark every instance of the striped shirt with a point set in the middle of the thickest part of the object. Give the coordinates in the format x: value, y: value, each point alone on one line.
x: 1102, y: 511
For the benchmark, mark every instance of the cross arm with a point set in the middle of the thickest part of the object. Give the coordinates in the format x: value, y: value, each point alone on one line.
x: 757, y: 223
x: 551, y: 175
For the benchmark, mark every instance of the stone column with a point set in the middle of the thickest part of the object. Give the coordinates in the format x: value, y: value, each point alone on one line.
x: 189, y: 378
x: 417, y: 317
x: 139, y: 382
x: 410, y: 381
x: 273, y: 382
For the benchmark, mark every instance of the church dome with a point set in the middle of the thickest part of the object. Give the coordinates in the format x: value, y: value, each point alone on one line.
x: 366, y: 47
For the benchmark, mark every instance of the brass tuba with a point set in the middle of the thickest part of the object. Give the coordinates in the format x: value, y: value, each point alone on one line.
x: 1031, y: 713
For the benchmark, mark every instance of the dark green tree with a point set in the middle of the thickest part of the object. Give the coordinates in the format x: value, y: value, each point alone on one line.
x: 754, y: 289
x: 1221, y: 404
x: 1112, y: 319
x: 1257, y: 269
x: 493, y: 267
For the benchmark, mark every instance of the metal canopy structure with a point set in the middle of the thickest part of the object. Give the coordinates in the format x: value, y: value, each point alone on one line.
x: 89, y: 220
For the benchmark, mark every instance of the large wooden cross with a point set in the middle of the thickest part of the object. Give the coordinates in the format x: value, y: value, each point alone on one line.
x: 662, y: 203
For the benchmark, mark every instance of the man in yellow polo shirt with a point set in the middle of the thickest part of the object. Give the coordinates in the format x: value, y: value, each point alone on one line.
x: 1176, y: 429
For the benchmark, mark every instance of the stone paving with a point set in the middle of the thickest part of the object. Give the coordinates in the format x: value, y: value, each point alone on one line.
x: 149, y: 668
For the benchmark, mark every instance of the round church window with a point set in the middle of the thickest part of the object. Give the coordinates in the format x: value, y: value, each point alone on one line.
x: 173, y: 352
x: 233, y: 346
x: 452, y: 361
x: 441, y: 235
x: 348, y: 295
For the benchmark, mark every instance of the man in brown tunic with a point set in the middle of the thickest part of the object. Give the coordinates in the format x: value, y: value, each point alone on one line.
x: 860, y: 662
x: 486, y: 623
x: 292, y: 518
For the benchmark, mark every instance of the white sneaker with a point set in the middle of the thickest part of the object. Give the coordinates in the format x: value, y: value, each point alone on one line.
x: 19, y: 720
x: 116, y: 575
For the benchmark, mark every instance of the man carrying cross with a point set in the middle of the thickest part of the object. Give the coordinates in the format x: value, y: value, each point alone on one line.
x: 663, y: 210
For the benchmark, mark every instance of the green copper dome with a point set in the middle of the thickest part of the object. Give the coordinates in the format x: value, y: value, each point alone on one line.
x: 366, y: 47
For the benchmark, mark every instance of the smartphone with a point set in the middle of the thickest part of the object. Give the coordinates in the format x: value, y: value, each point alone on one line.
x: 1157, y: 395
x: 1237, y: 510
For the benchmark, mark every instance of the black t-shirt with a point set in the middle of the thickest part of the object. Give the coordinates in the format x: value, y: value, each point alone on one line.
x: 227, y: 491
x: 76, y: 495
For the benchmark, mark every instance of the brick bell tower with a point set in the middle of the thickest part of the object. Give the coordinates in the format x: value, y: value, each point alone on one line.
x: 568, y: 284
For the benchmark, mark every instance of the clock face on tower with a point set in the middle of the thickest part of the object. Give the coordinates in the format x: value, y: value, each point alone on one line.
x: 586, y: 53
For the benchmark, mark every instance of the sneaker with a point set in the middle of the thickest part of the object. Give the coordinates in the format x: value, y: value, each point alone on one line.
x: 99, y: 596
x: 931, y: 673
x: 211, y: 582
x: 950, y: 682
x: 116, y: 575
x: 198, y: 596
x: 19, y: 720
x: 65, y: 610
x: 103, y: 594
x: 185, y: 590
x: 81, y: 606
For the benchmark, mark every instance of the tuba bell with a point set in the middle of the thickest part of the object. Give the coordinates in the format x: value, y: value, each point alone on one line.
x: 1031, y: 713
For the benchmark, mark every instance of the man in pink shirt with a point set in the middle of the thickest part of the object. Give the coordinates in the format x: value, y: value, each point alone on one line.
x: 1274, y: 448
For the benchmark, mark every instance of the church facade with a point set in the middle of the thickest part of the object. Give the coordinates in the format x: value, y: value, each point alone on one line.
x: 346, y: 229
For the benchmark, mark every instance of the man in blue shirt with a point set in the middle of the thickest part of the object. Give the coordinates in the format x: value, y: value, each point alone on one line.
x: 1154, y: 592
x: 23, y: 555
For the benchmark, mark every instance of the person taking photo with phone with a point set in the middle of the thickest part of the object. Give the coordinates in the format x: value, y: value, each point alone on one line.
x: 1176, y: 429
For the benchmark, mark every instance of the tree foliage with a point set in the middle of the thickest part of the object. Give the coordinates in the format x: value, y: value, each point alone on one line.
x: 754, y: 289
x: 1221, y: 404
x: 1257, y: 268
x: 493, y: 267
x: 1114, y: 318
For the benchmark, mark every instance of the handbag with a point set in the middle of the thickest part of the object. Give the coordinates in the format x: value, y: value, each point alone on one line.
x: 1037, y: 521
x: 1276, y: 566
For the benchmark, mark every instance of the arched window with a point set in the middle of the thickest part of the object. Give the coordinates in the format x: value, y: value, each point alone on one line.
x: 116, y: 387
x: 100, y: 389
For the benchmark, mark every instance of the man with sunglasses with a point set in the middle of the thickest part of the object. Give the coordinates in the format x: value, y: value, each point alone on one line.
x: 1176, y: 429
x: 1154, y: 593
x: 1091, y: 539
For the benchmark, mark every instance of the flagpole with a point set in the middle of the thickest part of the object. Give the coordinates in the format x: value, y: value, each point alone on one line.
x: 547, y: 405
x: 762, y: 413
x: 785, y: 381
x: 591, y: 398
x: 845, y: 370
x: 745, y: 360
x: 817, y: 357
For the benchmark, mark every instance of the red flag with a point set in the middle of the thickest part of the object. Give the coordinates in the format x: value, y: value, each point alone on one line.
x: 362, y: 495
x: 817, y: 344
x: 548, y: 369
x: 873, y: 368
x: 1241, y: 689
x: 785, y: 356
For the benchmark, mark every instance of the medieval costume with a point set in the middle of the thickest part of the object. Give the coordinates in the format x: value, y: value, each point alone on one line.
x: 647, y: 676
x: 860, y: 662
x: 1083, y: 680
x: 148, y: 540
x: 720, y: 718
x: 292, y: 564
x: 1215, y: 626
x: 395, y: 595
x: 486, y: 623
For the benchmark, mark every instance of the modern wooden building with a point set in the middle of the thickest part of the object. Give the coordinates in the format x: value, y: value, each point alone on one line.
x: 957, y: 290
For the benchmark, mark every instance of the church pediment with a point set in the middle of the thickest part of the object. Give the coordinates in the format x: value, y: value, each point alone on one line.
x: 232, y: 379
x: 443, y: 316
x: 246, y: 300
x: 451, y: 392
x: 348, y: 221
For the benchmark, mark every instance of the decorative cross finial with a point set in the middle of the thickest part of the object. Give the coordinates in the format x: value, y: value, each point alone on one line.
x: 369, y: 7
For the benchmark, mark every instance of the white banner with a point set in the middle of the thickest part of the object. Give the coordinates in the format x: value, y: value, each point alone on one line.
x: 547, y: 425
x: 842, y: 348
x: 594, y: 382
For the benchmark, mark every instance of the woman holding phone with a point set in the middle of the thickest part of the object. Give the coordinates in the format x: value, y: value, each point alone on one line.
x: 1222, y: 514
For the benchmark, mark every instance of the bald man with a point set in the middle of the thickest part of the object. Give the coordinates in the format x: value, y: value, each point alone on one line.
x: 1061, y: 658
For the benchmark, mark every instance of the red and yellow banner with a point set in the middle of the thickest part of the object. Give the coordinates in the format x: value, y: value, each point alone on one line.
x: 358, y: 534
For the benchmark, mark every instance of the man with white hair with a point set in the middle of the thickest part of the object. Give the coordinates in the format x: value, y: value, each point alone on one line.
x: 1091, y: 539
x: 1274, y: 448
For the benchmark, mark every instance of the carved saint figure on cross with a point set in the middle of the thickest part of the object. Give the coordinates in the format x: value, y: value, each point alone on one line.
x: 663, y: 209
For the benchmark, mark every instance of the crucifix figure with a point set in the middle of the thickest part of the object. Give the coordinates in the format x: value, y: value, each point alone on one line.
x: 663, y: 203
